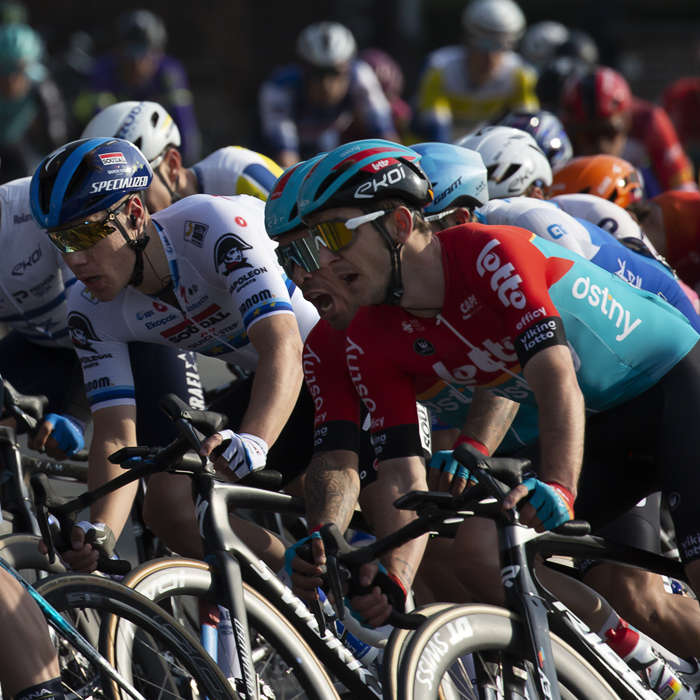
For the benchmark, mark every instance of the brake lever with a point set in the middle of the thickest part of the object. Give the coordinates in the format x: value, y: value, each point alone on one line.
x: 335, y: 584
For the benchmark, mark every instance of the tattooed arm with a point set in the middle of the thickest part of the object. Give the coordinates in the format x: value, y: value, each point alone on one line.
x: 489, y: 418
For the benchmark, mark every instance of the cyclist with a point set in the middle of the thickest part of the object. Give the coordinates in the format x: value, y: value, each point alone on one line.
x: 541, y: 41
x: 139, y: 69
x: 327, y: 99
x: 32, y: 111
x: 463, y: 87
x: 228, y: 171
x: 344, y: 463
x: 199, y: 275
x: 517, y: 165
x: 547, y: 131
x: 672, y: 222
x: 37, y: 354
x: 601, y: 116
x: 473, y: 344
x: 681, y: 100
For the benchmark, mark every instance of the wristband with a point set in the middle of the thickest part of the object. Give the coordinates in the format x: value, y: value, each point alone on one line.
x: 564, y: 493
x: 464, y: 440
x: 316, y: 529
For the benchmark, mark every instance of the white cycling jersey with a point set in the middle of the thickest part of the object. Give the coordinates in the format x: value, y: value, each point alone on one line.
x: 226, y: 278
x: 34, y: 280
x: 236, y: 170
x: 545, y: 219
x: 604, y: 214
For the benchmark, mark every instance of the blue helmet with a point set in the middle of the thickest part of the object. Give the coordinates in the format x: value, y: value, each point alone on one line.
x: 355, y: 174
x: 85, y: 177
x: 281, y: 211
x: 548, y: 132
x: 457, y: 175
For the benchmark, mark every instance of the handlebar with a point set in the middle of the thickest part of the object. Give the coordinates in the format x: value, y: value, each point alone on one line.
x: 28, y: 412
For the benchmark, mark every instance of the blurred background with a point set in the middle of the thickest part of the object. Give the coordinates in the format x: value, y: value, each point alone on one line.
x: 229, y: 47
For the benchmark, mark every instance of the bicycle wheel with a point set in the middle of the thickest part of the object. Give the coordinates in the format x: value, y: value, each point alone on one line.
x: 167, y: 663
x: 282, y: 659
x: 434, y: 665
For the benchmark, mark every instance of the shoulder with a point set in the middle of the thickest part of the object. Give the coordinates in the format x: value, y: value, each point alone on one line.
x: 288, y: 77
x: 446, y: 57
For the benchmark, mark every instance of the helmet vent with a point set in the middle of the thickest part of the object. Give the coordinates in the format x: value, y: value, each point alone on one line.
x: 330, y: 179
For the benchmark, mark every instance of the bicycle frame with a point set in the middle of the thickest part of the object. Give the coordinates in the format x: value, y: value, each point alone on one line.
x: 56, y: 621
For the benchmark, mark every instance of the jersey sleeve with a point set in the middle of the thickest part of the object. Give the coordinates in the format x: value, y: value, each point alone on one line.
x: 336, y: 403
x: 388, y: 393
x: 371, y: 102
x: 512, y: 277
x: 667, y: 155
x: 524, y: 97
x: 241, y: 257
x: 103, y: 358
x: 258, y: 177
x: 433, y: 118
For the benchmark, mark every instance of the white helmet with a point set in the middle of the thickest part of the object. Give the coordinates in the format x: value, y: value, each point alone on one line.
x: 512, y: 158
x: 494, y: 24
x: 541, y: 40
x: 146, y: 124
x: 326, y: 44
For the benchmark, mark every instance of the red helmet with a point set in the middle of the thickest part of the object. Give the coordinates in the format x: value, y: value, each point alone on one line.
x: 603, y: 94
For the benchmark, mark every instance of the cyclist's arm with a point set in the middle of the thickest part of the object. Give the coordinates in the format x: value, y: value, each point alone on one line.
x: 551, y: 375
x: 278, y: 376
x: 489, y: 418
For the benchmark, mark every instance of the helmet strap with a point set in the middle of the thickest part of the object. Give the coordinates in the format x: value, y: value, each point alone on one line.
x: 394, y: 291
x: 138, y: 245
x: 174, y: 195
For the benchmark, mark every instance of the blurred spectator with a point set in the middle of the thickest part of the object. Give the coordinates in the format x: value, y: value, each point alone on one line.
x: 601, y: 116
x: 463, y: 87
x: 329, y: 98
x: 138, y: 69
x: 540, y: 42
x: 32, y: 112
x: 13, y: 12
x: 682, y: 102
x: 390, y: 77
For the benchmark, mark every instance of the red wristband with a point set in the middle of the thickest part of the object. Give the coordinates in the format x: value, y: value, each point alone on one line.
x: 464, y: 440
x: 316, y: 529
x: 398, y: 582
x: 564, y: 493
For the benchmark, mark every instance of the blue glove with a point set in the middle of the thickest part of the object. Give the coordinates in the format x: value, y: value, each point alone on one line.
x: 551, y: 501
x: 444, y: 462
x: 67, y: 433
x: 292, y: 551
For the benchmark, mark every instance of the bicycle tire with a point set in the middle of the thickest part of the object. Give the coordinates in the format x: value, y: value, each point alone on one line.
x: 168, y: 660
x: 394, y: 650
x: 444, y: 639
x: 174, y: 577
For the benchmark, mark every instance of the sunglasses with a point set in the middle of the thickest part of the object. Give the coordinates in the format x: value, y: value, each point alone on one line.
x: 334, y: 235
x: 83, y: 236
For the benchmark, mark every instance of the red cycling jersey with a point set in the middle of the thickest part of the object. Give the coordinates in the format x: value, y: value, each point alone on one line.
x: 682, y: 102
x: 337, y: 405
x: 653, y: 144
x: 681, y: 212
x: 487, y: 301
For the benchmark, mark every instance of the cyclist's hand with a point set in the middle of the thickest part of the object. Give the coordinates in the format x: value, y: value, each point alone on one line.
x: 373, y: 608
x: 238, y: 453
x: 305, y: 575
x: 550, y: 504
x: 81, y: 558
x: 445, y: 474
x: 59, y: 436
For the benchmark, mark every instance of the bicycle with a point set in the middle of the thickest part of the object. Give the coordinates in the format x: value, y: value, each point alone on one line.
x: 535, y: 642
x: 231, y: 575
x: 86, y: 673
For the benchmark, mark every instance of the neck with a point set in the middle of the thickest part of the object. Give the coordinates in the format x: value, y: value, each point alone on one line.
x: 187, y: 183
x: 424, y: 280
x: 156, y: 271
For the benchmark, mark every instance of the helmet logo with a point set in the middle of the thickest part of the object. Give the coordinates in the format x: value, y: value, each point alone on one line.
x: 113, y: 158
x: 391, y: 177
x: 380, y: 164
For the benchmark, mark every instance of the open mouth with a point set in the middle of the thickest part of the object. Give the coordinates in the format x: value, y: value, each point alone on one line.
x: 323, y: 302
x: 91, y: 281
